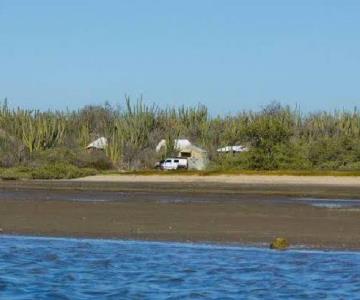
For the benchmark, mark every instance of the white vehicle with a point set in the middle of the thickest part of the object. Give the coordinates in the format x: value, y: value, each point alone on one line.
x: 174, y: 163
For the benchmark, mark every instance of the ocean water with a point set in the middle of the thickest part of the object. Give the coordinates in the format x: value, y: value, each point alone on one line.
x: 50, y: 268
x: 353, y: 204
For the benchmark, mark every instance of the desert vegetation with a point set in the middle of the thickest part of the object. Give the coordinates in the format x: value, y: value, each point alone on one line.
x: 51, y: 144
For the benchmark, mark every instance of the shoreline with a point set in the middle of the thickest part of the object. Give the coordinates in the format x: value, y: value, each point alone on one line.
x: 202, y: 244
x: 345, y: 187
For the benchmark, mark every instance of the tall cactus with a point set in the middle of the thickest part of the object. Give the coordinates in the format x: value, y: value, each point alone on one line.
x: 40, y: 131
x: 114, y: 149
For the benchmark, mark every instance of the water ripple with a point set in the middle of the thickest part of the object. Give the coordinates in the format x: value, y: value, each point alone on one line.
x: 46, y: 268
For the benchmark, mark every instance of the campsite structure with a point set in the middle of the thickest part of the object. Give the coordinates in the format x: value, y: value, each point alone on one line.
x: 178, y: 144
x: 197, y: 157
x: 232, y: 149
x: 99, y: 144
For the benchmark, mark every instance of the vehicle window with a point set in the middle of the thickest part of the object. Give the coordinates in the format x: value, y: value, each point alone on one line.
x: 168, y: 160
x: 185, y: 154
x: 176, y: 160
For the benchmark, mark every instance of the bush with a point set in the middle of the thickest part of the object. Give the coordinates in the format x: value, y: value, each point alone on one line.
x: 55, y: 171
x: 61, y: 171
x: 230, y: 161
x: 95, y: 159
x: 12, y: 152
x: 15, y: 173
x: 334, y: 153
x: 78, y: 157
x: 353, y: 166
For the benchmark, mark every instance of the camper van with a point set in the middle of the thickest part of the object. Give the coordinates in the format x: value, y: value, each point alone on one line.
x: 174, y: 163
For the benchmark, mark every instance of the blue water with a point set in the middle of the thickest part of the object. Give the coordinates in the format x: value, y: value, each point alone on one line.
x: 49, y: 268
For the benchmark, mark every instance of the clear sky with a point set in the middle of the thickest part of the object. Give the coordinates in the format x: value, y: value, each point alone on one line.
x: 228, y: 55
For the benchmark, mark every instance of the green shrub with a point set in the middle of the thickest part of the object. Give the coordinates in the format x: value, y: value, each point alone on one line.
x: 53, y: 156
x: 352, y: 166
x: 77, y: 157
x: 94, y: 159
x: 60, y: 171
x: 53, y: 171
x: 231, y: 161
x: 15, y: 173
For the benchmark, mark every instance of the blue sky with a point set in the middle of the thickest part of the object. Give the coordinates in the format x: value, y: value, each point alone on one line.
x: 228, y: 55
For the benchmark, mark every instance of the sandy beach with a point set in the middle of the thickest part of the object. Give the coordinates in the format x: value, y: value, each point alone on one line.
x: 231, y: 179
x: 226, y: 209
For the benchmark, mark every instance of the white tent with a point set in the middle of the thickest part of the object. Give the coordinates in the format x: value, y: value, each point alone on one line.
x: 233, y: 149
x: 99, y: 144
x: 179, y: 144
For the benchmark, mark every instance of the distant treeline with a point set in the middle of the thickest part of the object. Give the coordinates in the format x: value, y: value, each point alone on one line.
x: 278, y: 137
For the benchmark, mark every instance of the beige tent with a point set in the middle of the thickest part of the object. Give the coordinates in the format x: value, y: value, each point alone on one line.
x: 197, y: 157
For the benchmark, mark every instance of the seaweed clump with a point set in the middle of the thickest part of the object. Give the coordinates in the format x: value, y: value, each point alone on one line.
x: 279, y: 244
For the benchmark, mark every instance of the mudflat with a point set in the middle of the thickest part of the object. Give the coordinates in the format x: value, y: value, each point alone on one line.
x: 184, y: 211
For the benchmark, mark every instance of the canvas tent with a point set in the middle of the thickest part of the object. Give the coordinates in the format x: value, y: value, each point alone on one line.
x: 196, y: 156
x: 99, y: 144
x: 232, y: 149
x: 178, y: 144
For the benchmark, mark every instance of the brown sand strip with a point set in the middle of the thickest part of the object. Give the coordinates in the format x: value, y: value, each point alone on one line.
x: 175, y: 216
x: 297, y: 186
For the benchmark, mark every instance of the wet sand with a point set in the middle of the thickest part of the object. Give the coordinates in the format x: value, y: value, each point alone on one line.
x: 181, y: 211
